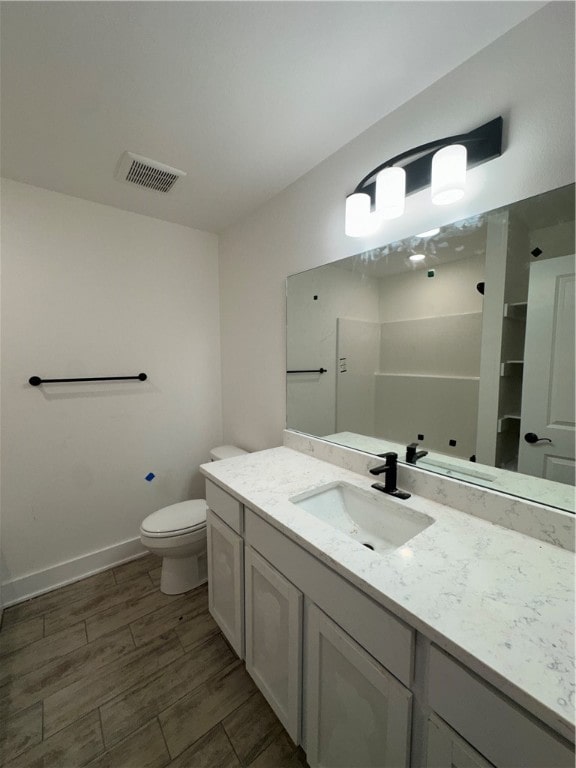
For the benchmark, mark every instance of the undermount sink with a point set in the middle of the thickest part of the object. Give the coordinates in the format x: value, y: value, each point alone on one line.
x: 379, y: 522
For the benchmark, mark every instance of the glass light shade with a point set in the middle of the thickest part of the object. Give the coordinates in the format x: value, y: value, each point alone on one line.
x: 360, y: 221
x: 391, y: 192
x: 448, y: 174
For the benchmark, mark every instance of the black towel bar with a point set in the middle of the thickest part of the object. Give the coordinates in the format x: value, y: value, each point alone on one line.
x: 314, y: 370
x: 35, y: 381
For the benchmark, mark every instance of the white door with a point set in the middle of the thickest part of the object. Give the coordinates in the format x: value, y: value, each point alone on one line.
x: 548, y: 381
x: 357, y: 715
x: 445, y: 749
x: 274, y: 639
x: 226, y: 580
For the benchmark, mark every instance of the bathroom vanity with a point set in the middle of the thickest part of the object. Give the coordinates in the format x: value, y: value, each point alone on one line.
x: 447, y: 641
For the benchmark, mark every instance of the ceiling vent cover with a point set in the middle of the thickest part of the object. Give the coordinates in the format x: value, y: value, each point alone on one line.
x: 144, y: 172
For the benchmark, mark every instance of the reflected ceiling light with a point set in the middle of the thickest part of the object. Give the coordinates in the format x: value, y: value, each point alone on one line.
x: 417, y: 257
x: 380, y: 195
x: 406, y: 552
x: 429, y: 232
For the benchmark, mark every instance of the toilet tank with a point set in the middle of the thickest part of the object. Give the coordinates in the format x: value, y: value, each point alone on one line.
x: 226, y: 452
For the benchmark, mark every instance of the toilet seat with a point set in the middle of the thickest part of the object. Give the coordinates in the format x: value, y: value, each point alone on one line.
x: 176, y: 520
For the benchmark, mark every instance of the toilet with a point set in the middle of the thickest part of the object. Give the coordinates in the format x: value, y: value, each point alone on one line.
x: 178, y: 535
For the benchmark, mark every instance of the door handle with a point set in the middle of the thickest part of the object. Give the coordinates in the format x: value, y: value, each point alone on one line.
x: 532, y: 437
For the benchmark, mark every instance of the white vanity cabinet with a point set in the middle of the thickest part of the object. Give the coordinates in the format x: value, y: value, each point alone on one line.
x: 226, y: 580
x: 445, y: 749
x: 274, y: 639
x: 357, y: 714
x: 344, y: 674
x: 350, y: 698
x: 258, y: 610
x: 354, y: 712
x: 505, y: 735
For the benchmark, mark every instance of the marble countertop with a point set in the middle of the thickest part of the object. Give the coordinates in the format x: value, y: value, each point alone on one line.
x: 499, y: 601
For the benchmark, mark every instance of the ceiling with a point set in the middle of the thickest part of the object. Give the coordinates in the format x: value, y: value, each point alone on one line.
x: 245, y: 97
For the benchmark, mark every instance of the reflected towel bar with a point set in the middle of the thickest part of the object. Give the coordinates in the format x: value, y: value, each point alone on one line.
x: 35, y: 381
x: 314, y: 370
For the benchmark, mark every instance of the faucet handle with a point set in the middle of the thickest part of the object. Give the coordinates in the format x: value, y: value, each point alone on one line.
x: 390, y: 463
x: 378, y: 470
x: 389, y: 456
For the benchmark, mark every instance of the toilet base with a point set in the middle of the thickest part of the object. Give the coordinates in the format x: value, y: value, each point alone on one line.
x: 181, y: 574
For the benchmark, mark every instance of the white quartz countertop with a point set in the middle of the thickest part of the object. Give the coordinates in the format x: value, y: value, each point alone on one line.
x: 499, y: 601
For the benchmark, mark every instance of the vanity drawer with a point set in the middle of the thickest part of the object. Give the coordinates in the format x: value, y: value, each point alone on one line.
x: 495, y: 726
x: 386, y: 638
x: 225, y: 506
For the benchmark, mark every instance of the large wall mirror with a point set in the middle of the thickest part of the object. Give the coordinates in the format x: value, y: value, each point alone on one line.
x: 460, y: 341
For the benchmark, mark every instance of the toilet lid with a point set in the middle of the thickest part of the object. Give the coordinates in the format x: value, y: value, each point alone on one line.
x: 176, y: 517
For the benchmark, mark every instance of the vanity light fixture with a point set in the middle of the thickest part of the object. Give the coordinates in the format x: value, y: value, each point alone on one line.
x: 441, y: 164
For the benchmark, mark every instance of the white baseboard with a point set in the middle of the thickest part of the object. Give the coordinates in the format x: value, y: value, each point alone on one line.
x: 34, y: 584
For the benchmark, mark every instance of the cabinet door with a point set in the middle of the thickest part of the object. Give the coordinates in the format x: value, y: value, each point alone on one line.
x: 274, y: 639
x: 226, y: 580
x: 445, y: 749
x: 357, y: 715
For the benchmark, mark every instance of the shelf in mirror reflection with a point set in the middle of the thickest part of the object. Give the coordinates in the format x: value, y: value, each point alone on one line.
x: 516, y: 310
x: 511, y: 367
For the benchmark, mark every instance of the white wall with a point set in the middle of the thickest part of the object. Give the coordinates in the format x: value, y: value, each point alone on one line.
x: 90, y: 290
x: 527, y: 76
x: 358, y: 358
x: 554, y: 241
x: 452, y: 290
x: 414, y: 352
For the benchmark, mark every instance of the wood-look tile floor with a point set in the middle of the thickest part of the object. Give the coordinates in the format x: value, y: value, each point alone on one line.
x: 109, y: 672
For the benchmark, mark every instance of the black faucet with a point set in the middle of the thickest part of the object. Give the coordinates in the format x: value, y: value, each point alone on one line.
x: 412, y: 455
x: 390, y: 469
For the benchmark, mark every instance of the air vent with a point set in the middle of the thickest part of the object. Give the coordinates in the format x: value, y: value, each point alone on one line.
x: 147, y: 173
